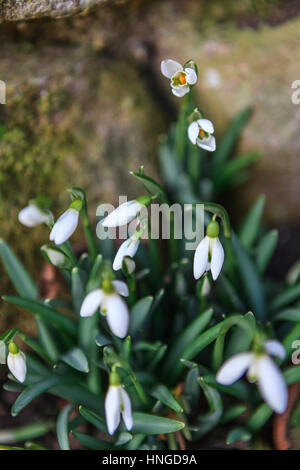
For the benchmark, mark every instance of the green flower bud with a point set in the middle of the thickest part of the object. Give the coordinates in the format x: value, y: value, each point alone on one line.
x: 114, y: 378
x: 76, y: 204
x: 13, y: 348
x: 213, y: 229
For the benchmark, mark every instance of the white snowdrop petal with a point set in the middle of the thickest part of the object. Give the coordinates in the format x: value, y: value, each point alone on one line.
x: 169, y: 67
x: 112, y: 408
x: 17, y: 365
x: 31, y: 216
x: 65, y: 226
x: 201, y: 258
x: 117, y: 315
x: 193, y: 132
x: 191, y: 76
x: 55, y: 257
x: 209, y: 144
x: 206, y: 125
x: 275, y: 348
x: 123, y: 214
x: 121, y: 287
x: 128, y: 248
x: 91, y: 303
x: 272, y: 385
x: 217, y: 258
x: 126, y: 411
x: 233, y: 369
x: 180, y: 92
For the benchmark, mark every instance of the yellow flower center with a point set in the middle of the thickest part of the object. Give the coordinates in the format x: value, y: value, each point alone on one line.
x: 182, y: 78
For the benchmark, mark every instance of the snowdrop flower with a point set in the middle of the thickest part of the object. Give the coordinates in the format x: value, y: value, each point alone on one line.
x: 261, y: 369
x: 16, y: 362
x: 181, y: 76
x: 200, y: 133
x: 31, y: 216
x: 209, y: 254
x: 56, y: 257
x: 128, y: 248
x: 111, y: 304
x: 66, y: 224
x: 117, y: 403
x: 126, y: 212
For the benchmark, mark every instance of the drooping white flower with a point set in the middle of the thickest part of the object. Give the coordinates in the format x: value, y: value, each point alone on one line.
x: 261, y: 369
x: 65, y: 226
x: 123, y: 214
x: 209, y: 254
x: 112, y: 305
x: 117, y: 404
x: 56, y: 257
x: 181, y: 77
x: 200, y: 133
x: 16, y: 362
x: 31, y: 216
x: 128, y: 248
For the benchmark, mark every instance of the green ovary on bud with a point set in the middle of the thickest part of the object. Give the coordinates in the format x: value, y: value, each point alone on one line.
x: 213, y: 229
x: 13, y: 348
x: 145, y: 200
x: 114, y: 379
x: 76, y: 204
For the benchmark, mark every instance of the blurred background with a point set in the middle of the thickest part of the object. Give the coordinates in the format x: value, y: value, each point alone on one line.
x: 86, y: 103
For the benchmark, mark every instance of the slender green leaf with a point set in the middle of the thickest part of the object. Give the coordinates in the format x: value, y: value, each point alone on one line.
x: 78, y: 288
x: 23, y: 433
x: 186, y: 337
x: 33, y: 391
x: 62, y: 430
x: 145, y: 423
x: 163, y: 394
x: 91, y: 442
x: 286, y: 297
x: 20, y: 278
x: 139, y: 314
x: 265, y: 250
x: 238, y: 434
x: 251, y: 225
x: 93, y: 418
x: 230, y: 138
x: 45, y: 312
x: 150, y: 185
x: 95, y: 274
x: 251, y: 280
x: 76, y: 358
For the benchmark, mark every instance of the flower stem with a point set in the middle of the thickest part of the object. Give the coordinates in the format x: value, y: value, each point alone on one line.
x: 88, y: 232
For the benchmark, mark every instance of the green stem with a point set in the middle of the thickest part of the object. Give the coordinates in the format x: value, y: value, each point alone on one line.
x: 180, y: 138
x: 88, y: 232
x: 222, y: 213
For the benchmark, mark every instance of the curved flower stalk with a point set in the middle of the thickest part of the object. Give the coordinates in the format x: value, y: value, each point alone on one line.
x: 261, y: 369
x: 200, y: 133
x: 117, y: 404
x: 209, y: 254
x: 109, y: 300
x: 181, y: 77
x: 66, y: 224
x: 126, y: 212
x: 16, y: 362
x: 32, y: 215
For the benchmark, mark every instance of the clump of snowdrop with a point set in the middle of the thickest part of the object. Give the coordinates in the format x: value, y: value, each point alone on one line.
x: 261, y: 369
x: 32, y: 215
x: 66, y: 224
x: 108, y: 299
x: 117, y: 404
x: 16, y: 362
x: 209, y: 254
x: 181, y: 77
x: 200, y: 133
